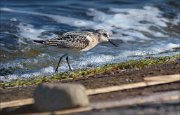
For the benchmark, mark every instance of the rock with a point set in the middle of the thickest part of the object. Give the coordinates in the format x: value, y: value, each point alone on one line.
x: 59, y: 96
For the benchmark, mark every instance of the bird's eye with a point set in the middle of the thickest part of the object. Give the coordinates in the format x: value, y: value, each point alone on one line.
x: 105, y: 35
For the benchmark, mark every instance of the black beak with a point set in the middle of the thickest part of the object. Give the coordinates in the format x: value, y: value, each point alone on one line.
x: 112, y: 43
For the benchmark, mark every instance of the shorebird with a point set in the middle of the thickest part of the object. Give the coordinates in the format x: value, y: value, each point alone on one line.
x: 76, y: 42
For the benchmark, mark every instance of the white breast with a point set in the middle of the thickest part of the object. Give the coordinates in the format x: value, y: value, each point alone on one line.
x: 92, y: 43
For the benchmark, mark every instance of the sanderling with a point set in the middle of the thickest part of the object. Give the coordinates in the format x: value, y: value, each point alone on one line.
x: 74, y: 42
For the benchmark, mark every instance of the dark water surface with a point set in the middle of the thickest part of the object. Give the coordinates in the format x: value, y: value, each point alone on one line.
x: 141, y: 28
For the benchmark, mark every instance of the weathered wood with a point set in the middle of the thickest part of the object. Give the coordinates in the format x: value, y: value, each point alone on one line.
x: 161, y: 97
x: 63, y: 112
x: 149, y: 81
x: 16, y: 103
x: 162, y: 78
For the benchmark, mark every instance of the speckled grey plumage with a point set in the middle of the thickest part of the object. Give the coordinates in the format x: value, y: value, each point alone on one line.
x: 71, y: 40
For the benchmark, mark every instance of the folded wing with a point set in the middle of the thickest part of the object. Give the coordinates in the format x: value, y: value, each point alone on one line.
x: 70, y: 41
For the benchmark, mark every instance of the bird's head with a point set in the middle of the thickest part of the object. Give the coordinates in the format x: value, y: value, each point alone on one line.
x: 103, y: 36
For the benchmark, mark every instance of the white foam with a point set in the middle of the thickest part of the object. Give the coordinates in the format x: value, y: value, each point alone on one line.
x: 6, y: 9
x: 13, y: 19
x: 172, y: 46
x: 47, y: 70
x: 44, y: 71
x: 28, y: 31
x: 161, y: 47
x: 148, y: 13
x: 96, y: 60
x: 130, y: 35
x: 132, y: 21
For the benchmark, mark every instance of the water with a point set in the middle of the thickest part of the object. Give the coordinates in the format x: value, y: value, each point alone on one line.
x: 140, y: 29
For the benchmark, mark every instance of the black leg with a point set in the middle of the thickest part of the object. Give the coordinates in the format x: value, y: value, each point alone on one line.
x: 56, y: 70
x: 67, y: 59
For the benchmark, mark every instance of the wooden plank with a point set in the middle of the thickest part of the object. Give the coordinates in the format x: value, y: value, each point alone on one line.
x: 63, y: 112
x: 161, y: 97
x: 150, y: 81
x: 16, y: 103
x: 164, y: 77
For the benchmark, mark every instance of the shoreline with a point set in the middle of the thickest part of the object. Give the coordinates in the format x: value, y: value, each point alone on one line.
x: 109, y: 68
x: 114, y: 76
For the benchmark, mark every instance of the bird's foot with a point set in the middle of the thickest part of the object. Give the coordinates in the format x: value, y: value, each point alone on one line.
x: 56, y: 70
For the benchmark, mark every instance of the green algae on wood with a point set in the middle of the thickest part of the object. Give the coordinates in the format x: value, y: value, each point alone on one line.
x: 132, y: 64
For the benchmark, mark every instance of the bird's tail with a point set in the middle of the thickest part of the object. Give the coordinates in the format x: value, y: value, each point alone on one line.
x: 39, y: 41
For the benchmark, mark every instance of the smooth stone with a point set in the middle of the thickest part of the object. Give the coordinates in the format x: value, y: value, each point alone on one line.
x: 59, y: 96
